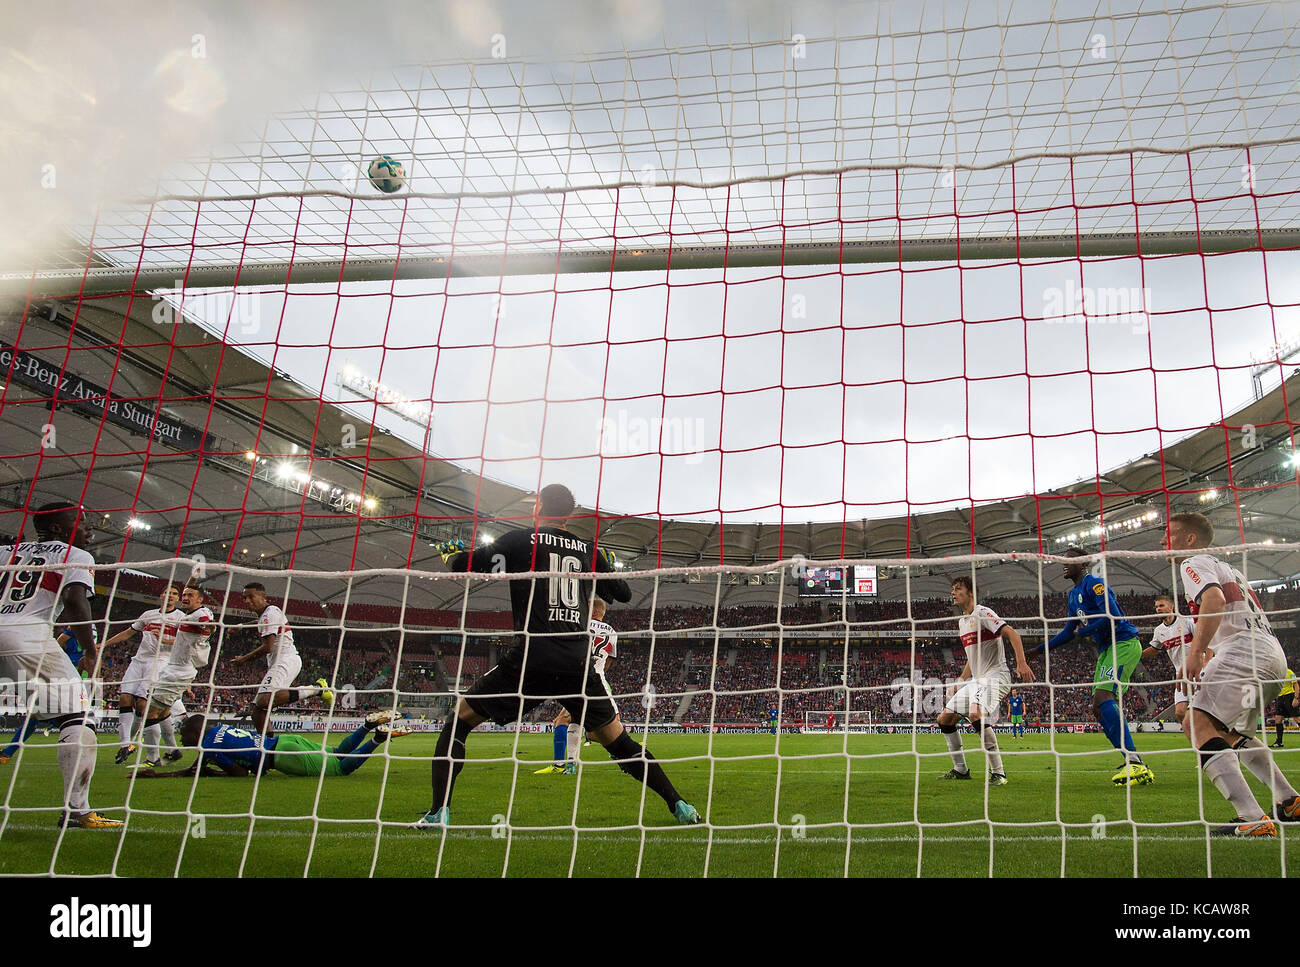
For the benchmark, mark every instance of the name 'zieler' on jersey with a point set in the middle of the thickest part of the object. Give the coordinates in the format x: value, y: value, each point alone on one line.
x: 555, y: 606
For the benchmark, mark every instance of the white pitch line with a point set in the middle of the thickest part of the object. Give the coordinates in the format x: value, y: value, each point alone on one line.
x: 721, y: 837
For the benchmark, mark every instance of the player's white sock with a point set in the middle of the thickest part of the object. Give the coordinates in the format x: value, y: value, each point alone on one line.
x: 77, y: 749
x: 572, y: 742
x: 151, y: 735
x: 1256, y: 757
x: 954, y: 746
x: 1225, y: 772
x: 168, y: 728
x: 991, y: 749
x: 124, y: 722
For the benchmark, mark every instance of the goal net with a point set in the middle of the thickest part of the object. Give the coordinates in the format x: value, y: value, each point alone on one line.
x: 804, y: 347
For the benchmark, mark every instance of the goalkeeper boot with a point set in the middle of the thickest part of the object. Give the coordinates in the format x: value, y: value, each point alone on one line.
x: 175, y: 755
x: 997, y: 779
x: 685, y: 813
x: 89, y: 820
x: 438, y: 819
x: 1259, y: 829
x: 326, y: 693
x: 123, y: 753
x: 1289, y: 811
x: 548, y: 770
x: 388, y: 731
x: 382, y: 718
x: 4, y: 759
x: 954, y: 774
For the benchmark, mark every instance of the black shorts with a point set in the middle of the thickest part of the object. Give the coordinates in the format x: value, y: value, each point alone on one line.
x: 507, y: 692
x: 1286, y: 706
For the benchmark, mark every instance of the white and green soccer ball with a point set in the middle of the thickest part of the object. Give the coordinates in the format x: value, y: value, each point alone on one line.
x: 387, y: 174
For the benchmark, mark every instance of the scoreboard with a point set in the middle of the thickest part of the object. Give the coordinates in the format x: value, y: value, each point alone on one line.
x: 858, y: 581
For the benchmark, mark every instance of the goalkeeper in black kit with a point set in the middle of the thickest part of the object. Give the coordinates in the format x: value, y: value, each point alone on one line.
x: 551, y: 657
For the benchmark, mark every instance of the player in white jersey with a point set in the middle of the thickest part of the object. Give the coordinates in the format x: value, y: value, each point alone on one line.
x: 190, y: 653
x: 157, y: 628
x: 980, y: 699
x: 282, y: 660
x: 1235, y: 685
x: 1172, y: 638
x: 604, y: 646
x: 30, y: 655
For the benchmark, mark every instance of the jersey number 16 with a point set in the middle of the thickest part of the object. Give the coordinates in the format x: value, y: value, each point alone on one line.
x: 564, y: 589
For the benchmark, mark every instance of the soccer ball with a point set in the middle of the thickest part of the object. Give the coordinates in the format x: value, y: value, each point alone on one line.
x: 387, y: 174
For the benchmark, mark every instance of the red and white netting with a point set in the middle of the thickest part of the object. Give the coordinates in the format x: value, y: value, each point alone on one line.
x: 879, y: 370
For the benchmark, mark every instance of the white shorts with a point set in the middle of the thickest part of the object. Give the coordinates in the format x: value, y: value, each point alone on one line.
x: 139, y: 674
x: 987, y: 693
x: 41, y: 673
x: 1240, y: 681
x: 170, y: 686
x: 280, y: 675
x: 177, y: 709
x: 1179, y: 697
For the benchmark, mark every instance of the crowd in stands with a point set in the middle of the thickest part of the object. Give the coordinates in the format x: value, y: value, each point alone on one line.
x: 1027, y: 609
x: 725, y: 679
x: 741, y: 616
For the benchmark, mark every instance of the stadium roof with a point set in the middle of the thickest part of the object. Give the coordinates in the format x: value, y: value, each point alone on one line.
x: 962, y: 124
x: 226, y: 503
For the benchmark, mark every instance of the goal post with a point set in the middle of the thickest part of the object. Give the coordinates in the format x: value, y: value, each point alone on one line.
x: 99, y: 280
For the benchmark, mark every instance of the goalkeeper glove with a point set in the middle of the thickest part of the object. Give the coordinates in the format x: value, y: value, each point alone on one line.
x: 449, y: 549
x: 608, y: 557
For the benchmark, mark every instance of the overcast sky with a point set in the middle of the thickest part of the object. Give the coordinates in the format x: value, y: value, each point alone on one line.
x: 259, y: 100
x: 556, y: 371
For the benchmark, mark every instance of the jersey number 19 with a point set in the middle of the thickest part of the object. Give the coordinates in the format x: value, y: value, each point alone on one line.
x: 24, y: 583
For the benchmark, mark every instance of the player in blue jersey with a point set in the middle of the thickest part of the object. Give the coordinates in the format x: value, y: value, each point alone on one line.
x: 1016, y: 707
x: 229, y: 751
x: 72, y: 648
x: 774, y: 720
x: 1095, y: 614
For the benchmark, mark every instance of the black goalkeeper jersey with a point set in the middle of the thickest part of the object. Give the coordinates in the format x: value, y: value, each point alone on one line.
x: 552, y: 610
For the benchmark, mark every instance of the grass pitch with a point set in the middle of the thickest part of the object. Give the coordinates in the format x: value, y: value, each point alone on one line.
x: 814, y: 810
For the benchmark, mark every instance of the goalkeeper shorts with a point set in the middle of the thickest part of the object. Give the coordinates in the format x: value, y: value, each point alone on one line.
x: 508, y: 692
